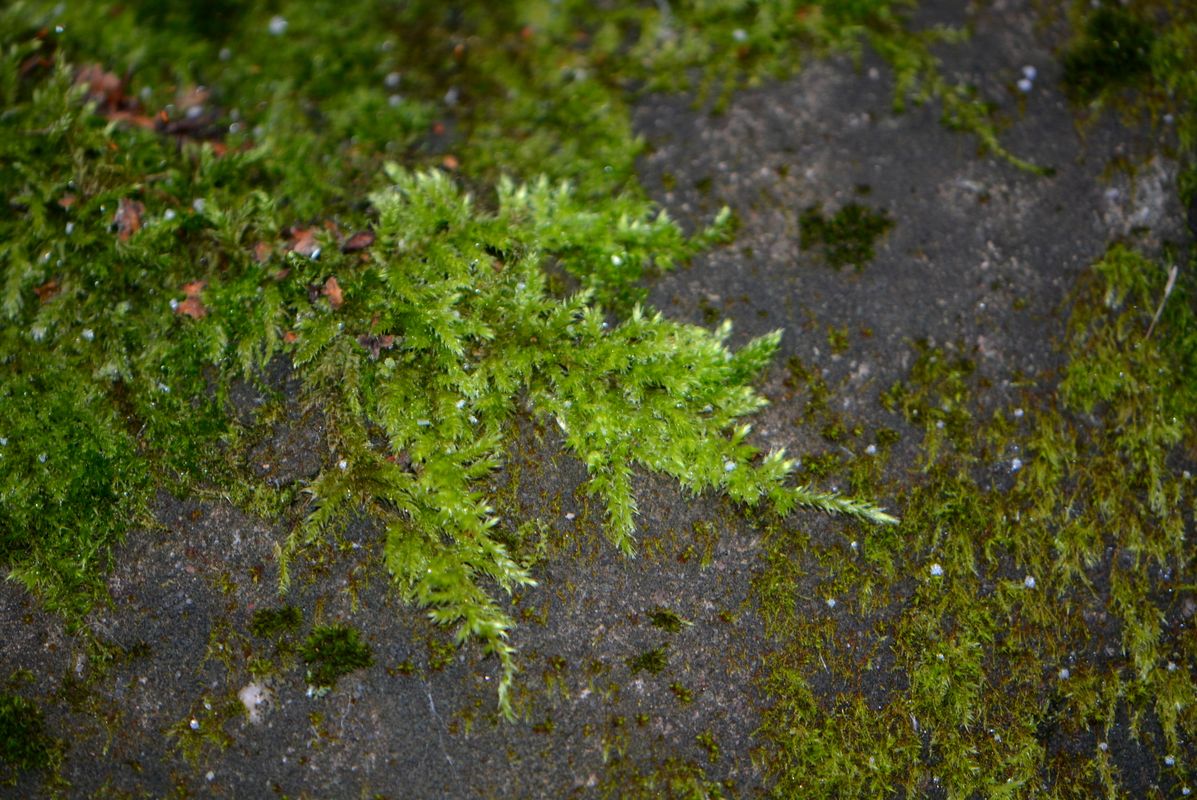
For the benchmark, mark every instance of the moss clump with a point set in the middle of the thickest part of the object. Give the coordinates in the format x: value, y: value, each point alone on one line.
x: 269, y: 623
x: 667, y: 620
x: 650, y: 661
x: 847, y: 238
x: 330, y: 652
x: 1113, y: 51
x: 24, y: 743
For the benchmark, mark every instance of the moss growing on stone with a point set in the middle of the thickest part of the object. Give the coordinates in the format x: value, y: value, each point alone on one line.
x: 846, y: 238
x: 331, y: 652
x: 24, y: 743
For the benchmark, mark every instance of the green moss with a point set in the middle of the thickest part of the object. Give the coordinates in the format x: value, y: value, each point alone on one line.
x: 271, y: 623
x: 1114, y: 50
x: 1028, y: 542
x: 651, y: 661
x: 24, y: 743
x: 331, y: 652
x: 667, y: 620
x: 847, y: 238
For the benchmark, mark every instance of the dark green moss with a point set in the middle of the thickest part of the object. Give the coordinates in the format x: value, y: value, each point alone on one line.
x: 847, y: 238
x: 271, y: 623
x: 1114, y: 50
x: 332, y: 651
x: 667, y: 620
x: 24, y: 743
x: 651, y: 661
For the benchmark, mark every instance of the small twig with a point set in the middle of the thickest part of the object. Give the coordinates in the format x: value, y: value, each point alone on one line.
x: 1167, y: 291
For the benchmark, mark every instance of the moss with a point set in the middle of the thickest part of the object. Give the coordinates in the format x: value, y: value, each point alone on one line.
x: 1029, y: 540
x: 331, y: 652
x: 271, y: 623
x: 667, y: 620
x: 650, y: 661
x: 847, y: 238
x: 1113, y: 50
x: 24, y: 743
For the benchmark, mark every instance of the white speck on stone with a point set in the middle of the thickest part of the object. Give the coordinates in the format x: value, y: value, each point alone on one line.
x: 194, y: 724
x: 210, y: 775
x: 1029, y: 72
x: 854, y: 545
x: 1185, y: 791
x: 1169, y: 761
x: 1172, y: 666
x: 452, y: 96
x: 277, y: 26
x: 936, y: 570
x: 1018, y: 412
x: 1024, y: 85
x: 740, y: 35
x: 395, y: 100
x: 939, y: 656
x: 1016, y: 465
x: 871, y: 450
x: 168, y: 214
x: 1065, y: 674
x: 256, y: 697
x: 343, y: 464
x: 569, y: 515
x: 197, y: 205
x: 1029, y: 582
x: 392, y: 80
x: 88, y: 334
x: 831, y: 602
x: 939, y: 424
x: 1102, y: 746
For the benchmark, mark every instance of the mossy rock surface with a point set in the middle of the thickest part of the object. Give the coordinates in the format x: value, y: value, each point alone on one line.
x: 199, y: 310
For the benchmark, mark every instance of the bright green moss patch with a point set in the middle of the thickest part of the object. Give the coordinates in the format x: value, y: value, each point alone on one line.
x: 1030, y: 541
x: 331, y: 652
x: 846, y: 238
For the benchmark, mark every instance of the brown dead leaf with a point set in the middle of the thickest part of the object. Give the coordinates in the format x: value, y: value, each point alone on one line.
x: 193, y: 306
x: 290, y: 337
x: 450, y: 162
x: 376, y: 344
x: 358, y: 241
x: 103, y: 87
x: 128, y: 218
x: 303, y: 241
x: 66, y: 201
x: 332, y: 290
x: 47, y: 290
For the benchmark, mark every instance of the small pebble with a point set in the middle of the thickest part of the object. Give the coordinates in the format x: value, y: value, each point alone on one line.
x: 1169, y: 760
x: 194, y: 724
x: 1018, y: 412
x: 1064, y: 673
x: 1016, y: 465
x: 88, y: 334
x: 197, y: 205
x: 729, y: 466
x: 277, y: 26
x: 871, y: 450
x: 1029, y: 582
x: 1029, y: 72
x: 740, y: 35
x: 1102, y: 746
x: 168, y: 214
x: 936, y: 570
x: 1024, y: 85
x: 392, y: 80
x: 343, y: 465
x: 831, y: 602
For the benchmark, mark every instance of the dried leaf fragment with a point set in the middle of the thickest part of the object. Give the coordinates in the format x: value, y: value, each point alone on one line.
x: 332, y: 290
x: 358, y: 241
x: 303, y: 241
x: 376, y: 344
x: 128, y: 218
x: 47, y: 290
x: 192, y: 306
